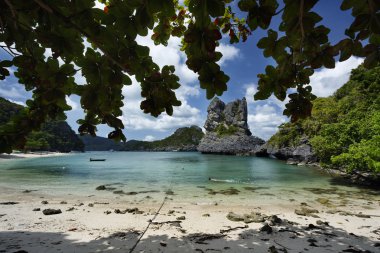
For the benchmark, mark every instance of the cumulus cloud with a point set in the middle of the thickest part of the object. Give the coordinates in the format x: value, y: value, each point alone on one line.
x: 229, y: 53
x: 17, y: 102
x: 264, y: 116
x: 74, y: 105
x: 11, y: 92
x: 149, y: 138
x: 184, y: 115
x: 326, y: 81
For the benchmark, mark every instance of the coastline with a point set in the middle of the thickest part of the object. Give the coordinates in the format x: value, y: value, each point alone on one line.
x: 98, y: 223
x: 30, y: 155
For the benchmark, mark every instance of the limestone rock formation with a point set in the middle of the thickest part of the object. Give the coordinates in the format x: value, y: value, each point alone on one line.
x: 227, y: 129
x: 300, y: 154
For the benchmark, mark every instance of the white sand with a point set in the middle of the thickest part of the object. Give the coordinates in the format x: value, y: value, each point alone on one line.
x: 30, y: 155
x: 89, y: 229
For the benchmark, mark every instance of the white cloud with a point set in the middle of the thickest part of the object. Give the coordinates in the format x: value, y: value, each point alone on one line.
x: 326, y: 81
x: 74, y: 105
x: 17, y: 102
x: 149, y: 138
x: 229, y: 52
x: 184, y: 115
x: 264, y: 116
x: 11, y: 93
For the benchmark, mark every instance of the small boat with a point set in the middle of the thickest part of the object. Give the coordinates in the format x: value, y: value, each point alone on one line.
x: 96, y: 160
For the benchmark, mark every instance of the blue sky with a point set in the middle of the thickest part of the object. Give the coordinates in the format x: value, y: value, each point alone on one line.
x: 242, y: 62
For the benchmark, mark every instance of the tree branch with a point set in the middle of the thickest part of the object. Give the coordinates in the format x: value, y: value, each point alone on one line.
x: 11, y: 7
x: 44, y: 6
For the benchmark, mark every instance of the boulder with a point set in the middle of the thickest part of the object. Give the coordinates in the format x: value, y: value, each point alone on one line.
x: 51, y: 211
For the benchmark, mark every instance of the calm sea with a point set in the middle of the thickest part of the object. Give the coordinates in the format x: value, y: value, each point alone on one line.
x: 186, y: 175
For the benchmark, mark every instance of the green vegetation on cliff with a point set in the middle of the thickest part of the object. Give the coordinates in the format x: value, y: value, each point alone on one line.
x: 54, y: 135
x: 344, y: 129
x: 185, y: 139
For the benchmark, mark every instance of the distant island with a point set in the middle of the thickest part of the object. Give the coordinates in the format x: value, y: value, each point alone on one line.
x: 183, y: 139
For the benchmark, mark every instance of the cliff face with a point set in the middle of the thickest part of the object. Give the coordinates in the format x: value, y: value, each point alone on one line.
x: 301, y: 153
x: 227, y: 129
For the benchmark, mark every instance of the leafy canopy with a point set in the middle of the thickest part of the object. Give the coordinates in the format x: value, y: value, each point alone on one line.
x: 344, y: 129
x: 101, y: 44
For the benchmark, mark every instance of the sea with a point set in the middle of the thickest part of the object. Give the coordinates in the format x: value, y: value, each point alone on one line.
x: 184, y: 176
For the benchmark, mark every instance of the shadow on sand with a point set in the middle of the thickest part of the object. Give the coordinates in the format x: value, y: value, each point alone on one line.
x: 287, y: 237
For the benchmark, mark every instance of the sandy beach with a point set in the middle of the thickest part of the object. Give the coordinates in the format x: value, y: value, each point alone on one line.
x: 98, y: 224
x: 30, y: 155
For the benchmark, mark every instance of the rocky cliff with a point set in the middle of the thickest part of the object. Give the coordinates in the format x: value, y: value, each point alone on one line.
x: 301, y: 153
x: 227, y: 130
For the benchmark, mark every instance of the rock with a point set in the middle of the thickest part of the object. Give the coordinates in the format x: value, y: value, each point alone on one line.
x: 108, y: 212
x: 100, y: 188
x: 171, y: 211
x: 266, y: 228
x: 8, y: 203
x: 254, y: 217
x: 44, y: 202
x: 320, y: 223
x: 272, y: 249
x: 307, y: 212
x: 91, y: 205
x: 169, y: 192
x: 163, y: 243
x: 63, y: 202
x: 181, y: 218
x: 360, y: 215
x: 36, y: 209
x: 300, y: 154
x: 70, y: 209
x: 51, y: 211
x: 120, y: 192
x: 323, y: 201
x: 274, y: 220
x: 227, y: 130
x: 206, y: 215
x: 234, y: 217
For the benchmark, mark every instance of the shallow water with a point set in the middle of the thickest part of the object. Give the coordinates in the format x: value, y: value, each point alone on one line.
x: 243, y: 180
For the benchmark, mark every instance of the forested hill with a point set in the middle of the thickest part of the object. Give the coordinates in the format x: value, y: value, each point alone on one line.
x: 344, y: 130
x: 54, y: 135
x: 183, y: 139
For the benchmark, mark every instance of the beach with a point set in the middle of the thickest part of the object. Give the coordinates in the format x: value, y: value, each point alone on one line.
x: 97, y: 224
x: 30, y: 155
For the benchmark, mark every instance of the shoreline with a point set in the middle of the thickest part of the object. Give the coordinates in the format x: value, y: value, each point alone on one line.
x: 99, y: 223
x: 21, y: 155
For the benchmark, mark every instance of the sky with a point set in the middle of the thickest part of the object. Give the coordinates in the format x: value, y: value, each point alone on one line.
x: 242, y: 62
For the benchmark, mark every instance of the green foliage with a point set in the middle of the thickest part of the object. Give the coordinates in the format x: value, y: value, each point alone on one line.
x: 364, y: 155
x: 288, y: 135
x: 54, y: 135
x: 344, y: 129
x: 101, y: 45
x: 182, y: 137
x: 223, y: 130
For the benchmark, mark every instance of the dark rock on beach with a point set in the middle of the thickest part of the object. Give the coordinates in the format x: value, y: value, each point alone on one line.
x: 100, y: 188
x: 51, y: 211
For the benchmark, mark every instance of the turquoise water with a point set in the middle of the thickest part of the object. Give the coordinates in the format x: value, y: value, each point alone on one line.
x: 186, y: 174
